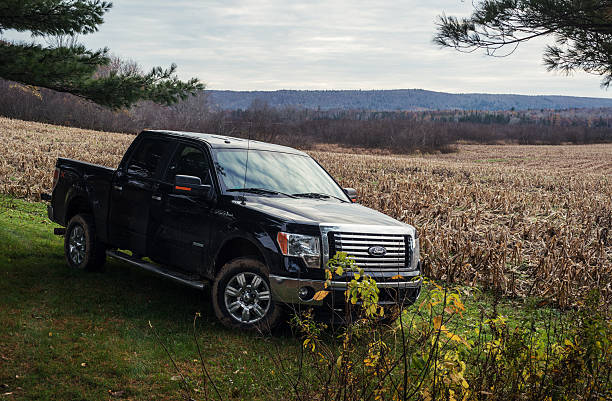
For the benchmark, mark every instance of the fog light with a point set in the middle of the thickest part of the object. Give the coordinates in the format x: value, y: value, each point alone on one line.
x: 306, y: 293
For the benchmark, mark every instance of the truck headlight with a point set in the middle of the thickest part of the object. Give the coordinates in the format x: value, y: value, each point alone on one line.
x: 306, y: 247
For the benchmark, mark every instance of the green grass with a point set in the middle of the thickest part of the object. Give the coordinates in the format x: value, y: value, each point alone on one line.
x: 55, y: 319
x: 67, y: 334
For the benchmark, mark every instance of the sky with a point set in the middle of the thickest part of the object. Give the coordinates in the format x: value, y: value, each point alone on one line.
x: 284, y: 44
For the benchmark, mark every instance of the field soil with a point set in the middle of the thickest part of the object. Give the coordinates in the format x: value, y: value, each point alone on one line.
x: 522, y: 220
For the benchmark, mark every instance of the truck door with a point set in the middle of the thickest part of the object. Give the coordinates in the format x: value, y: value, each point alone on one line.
x: 131, y: 191
x: 180, y: 223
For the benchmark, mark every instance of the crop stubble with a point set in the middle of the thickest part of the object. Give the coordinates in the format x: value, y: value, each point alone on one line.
x: 524, y: 220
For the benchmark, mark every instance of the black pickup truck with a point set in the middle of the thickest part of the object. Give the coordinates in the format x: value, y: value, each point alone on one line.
x: 257, y: 221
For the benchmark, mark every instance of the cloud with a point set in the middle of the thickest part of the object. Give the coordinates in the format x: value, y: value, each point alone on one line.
x: 273, y: 44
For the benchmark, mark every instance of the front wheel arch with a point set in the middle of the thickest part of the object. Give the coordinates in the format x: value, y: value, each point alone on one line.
x: 234, y: 248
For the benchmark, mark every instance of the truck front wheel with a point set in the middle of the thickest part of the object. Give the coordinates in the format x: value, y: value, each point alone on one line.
x: 82, y: 249
x: 241, y: 296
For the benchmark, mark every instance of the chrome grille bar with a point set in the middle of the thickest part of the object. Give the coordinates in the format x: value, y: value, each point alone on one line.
x: 367, y: 246
x: 369, y: 242
x: 390, y: 254
x: 383, y: 259
x: 384, y: 237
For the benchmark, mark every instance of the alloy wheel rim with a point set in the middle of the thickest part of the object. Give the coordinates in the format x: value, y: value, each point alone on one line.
x: 76, y: 245
x: 247, y: 297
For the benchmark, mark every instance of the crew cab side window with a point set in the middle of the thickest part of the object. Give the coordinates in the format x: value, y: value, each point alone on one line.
x: 189, y: 160
x: 147, y: 157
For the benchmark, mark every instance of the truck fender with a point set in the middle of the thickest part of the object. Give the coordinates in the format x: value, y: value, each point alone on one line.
x: 259, y: 243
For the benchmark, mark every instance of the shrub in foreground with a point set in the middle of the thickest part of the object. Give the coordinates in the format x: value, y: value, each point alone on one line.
x: 431, y: 351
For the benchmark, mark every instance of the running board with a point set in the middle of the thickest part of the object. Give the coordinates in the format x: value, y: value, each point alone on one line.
x: 180, y: 278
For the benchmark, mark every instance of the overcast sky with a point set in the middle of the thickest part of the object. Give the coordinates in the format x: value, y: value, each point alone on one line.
x: 269, y: 45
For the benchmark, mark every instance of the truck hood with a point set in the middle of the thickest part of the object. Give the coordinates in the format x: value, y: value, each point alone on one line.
x: 317, y: 211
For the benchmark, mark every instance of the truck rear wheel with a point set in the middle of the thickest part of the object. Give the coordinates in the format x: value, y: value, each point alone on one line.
x: 241, y: 296
x: 82, y: 249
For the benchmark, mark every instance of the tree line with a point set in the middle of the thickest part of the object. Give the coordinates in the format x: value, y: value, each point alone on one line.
x: 395, y: 131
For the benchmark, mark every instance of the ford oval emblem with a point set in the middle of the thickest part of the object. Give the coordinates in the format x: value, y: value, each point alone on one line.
x: 377, y: 251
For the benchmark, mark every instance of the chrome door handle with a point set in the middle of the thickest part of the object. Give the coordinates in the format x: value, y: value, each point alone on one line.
x: 118, y: 187
x: 155, y: 197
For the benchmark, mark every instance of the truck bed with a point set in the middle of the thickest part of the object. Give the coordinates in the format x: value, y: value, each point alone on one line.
x: 82, y: 184
x: 89, y: 168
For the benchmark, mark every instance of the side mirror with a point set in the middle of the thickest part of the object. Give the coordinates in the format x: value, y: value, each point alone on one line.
x: 192, y: 186
x: 352, y: 193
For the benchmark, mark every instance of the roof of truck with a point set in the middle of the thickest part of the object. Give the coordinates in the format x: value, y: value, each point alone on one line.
x: 228, y: 142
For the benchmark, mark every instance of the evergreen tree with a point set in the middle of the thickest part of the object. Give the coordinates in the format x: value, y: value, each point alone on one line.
x: 72, y: 68
x: 582, y: 32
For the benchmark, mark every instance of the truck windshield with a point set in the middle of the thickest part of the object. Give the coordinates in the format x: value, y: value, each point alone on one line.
x: 274, y: 172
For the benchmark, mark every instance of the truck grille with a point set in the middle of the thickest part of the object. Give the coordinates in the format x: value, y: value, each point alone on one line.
x: 357, y: 245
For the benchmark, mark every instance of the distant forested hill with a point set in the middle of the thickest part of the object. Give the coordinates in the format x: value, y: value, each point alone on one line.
x: 399, y: 99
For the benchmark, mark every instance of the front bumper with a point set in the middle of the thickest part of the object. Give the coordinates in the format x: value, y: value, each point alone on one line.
x: 286, y: 289
x: 396, y: 284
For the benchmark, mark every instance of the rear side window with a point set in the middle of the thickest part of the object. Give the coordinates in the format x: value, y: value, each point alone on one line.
x: 147, y: 157
x: 189, y: 160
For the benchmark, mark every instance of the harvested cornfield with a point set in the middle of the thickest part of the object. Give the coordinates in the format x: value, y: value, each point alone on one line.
x: 29, y: 151
x: 540, y: 229
x: 523, y: 220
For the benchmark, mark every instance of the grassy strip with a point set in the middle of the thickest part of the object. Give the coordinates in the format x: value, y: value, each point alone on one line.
x: 68, y: 334
x: 73, y: 335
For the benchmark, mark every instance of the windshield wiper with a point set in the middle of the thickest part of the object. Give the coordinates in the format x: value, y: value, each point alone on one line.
x: 260, y: 191
x: 317, y: 195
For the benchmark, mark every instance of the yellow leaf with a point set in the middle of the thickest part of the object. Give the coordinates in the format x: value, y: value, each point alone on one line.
x: 437, y: 321
x: 397, y: 277
x: 320, y: 295
x: 456, y: 338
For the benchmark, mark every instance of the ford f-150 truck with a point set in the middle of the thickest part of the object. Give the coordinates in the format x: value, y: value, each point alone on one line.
x: 256, y: 221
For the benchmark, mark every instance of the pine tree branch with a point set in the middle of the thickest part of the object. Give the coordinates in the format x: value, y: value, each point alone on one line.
x: 74, y: 69
x: 581, y: 29
x: 71, y: 70
x: 53, y: 17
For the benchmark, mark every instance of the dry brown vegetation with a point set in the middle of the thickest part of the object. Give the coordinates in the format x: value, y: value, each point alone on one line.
x: 524, y: 220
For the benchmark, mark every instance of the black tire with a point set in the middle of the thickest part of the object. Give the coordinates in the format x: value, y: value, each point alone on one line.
x: 82, y: 249
x: 253, y: 295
